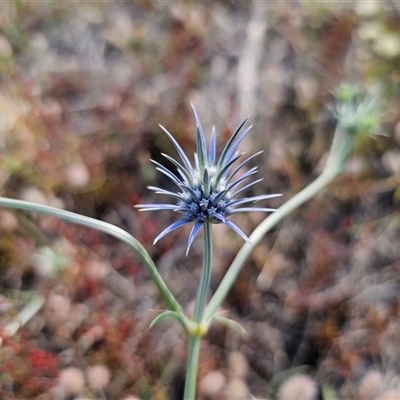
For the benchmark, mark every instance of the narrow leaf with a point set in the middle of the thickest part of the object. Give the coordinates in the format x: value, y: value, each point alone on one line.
x: 252, y: 199
x: 170, y: 228
x: 235, y: 145
x: 157, y: 190
x: 178, y: 149
x: 166, y: 172
x: 196, y: 162
x: 250, y: 209
x: 200, y: 142
x: 250, y: 172
x: 156, y: 207
x: 230, y: 323
x: 241, y: 165
x: 225, y: 168
x: 213, y: 148
x: 180, y: 168
x: 230, y: 142
x: 193, y: 234
x: 246, y: 187
x: 162, y: 317
x: 206, y: 182
x: 235, y: 228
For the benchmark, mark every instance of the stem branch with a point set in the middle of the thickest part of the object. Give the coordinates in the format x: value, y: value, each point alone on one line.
x: 106, y: 228
x: 230, y: 277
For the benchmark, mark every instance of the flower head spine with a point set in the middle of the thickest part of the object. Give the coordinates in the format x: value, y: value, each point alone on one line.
x: 208, y: 191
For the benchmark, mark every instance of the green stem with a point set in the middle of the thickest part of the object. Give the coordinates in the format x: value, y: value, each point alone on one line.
x: 106, y: 228
x: 195, y: 337
x: 192, y: 367
x: 205, y: 275
x: 230, y: 277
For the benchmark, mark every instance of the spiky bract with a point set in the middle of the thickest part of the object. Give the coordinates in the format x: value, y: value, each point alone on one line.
x: 208, y: 191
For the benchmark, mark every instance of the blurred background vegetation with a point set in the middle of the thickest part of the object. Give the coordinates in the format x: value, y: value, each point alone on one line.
x: 83, y: 86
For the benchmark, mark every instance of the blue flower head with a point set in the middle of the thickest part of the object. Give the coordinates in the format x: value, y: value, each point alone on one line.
x: 208, y: 192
